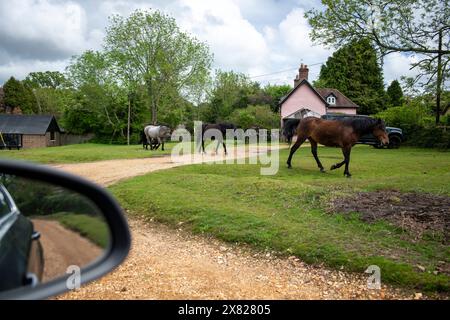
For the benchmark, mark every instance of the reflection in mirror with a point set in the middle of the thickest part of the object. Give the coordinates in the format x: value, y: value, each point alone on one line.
x: 44, y: 230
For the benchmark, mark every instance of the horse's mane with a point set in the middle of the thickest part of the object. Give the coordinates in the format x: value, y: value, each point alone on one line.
x: 226, y: 125
x: 362, y: 125
x: 289, y: 127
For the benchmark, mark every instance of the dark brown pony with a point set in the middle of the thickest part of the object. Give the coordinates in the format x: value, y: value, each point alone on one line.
x: 337, y: 133
x: 220, y: 128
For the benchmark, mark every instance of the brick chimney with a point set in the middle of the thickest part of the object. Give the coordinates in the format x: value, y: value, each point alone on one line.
x: 302, y: 74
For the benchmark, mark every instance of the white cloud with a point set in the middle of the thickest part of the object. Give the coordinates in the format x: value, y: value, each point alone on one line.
x: 290, y: 45
x: 254, y: 36
x: 235, y: 42
x: 50, y: 29
x: 397, y: 65
x: 40, y: 34
x: 20, y: 69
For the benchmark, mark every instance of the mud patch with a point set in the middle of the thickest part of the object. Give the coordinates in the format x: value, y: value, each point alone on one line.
x: 421, y: 214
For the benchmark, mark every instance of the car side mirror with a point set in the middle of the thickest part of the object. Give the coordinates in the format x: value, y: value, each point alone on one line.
x: 57, y: 231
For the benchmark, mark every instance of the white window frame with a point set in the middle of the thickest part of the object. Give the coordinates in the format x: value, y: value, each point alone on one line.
x: 331, y: 100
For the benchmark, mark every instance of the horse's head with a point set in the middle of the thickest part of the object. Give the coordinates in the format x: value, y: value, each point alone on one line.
x: 165, y: 132
x: 379, y: 131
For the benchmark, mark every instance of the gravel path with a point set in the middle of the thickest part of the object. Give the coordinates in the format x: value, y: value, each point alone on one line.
x: 169, y: 263
x: 63, y: 247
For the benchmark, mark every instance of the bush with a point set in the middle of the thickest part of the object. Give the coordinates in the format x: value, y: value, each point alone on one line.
x: 409, y: 118
x: 418, y: 125
x: 260, y: 116
x: 430, y: 137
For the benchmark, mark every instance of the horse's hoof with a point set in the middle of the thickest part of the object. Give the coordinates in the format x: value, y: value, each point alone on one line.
x: 322, y: 170
x: 333, y: 167
x: 289, y: 166
x: 348, y: 175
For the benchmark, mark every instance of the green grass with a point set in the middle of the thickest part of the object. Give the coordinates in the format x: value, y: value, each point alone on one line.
x: 88, y: 152
x: 286, y: 212
x: 92, y: 228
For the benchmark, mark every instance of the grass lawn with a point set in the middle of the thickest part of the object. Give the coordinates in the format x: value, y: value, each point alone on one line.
x: 87, y: 152
x: 92, y: 228
x: 286, y: 212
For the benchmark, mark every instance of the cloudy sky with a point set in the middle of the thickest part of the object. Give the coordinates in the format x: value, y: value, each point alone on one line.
x: 257, y: 37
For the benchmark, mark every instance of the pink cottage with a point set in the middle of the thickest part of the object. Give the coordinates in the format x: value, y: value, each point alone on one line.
x: 305, y: 100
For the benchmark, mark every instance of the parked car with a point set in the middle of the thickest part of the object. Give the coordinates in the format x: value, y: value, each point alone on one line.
x: 21, y: 255
x: 395, y: 134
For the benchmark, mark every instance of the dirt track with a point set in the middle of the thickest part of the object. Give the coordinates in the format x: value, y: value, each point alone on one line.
x: 63, y: 248
x: 167, y: 263
x: 111, y: 171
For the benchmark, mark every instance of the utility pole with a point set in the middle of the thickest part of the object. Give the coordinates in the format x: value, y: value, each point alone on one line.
x: 439, y: 80
x: 129, y: 120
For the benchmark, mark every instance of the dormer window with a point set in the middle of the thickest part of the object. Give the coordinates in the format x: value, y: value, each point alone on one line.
x: 331, y: 100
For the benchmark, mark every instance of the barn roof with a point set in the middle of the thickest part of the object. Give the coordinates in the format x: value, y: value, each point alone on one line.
x: 28, y: 124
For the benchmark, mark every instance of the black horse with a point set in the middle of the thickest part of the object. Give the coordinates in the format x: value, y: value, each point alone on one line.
x: 222, y: 128
x: 144, y: 141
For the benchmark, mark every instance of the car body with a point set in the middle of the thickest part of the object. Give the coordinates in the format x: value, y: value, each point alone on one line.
x: 21, y: 253
x: 395, y: 134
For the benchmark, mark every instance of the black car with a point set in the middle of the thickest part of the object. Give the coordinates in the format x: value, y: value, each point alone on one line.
x: 21, y: 254
x: 395, y: 134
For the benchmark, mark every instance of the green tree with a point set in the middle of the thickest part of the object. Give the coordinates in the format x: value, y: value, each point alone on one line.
x: 354, y: 70
x: 163, y: 57
x: 276, y: 92
x: 47, y: 79
x: 100, y: 100
x: 91, y: 67
x: 51, y: 91
x: 16, y: 95
x: 394, y: 94
x: 261, y: 116
x: 231, y: 90
x: 413, y: 27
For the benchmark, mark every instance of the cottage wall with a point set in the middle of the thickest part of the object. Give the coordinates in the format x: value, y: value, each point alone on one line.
x: 53, y: 143
x: 305, y: 98
x: 34, y: 141
x: 41, y: 141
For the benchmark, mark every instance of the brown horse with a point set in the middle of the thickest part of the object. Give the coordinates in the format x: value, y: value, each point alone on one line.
x: 337, y: 133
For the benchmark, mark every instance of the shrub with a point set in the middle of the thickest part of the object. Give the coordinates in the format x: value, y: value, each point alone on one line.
x: 261, y: 116
x: 417, y: 123
x: 409, y: 117
x: 430, y: 137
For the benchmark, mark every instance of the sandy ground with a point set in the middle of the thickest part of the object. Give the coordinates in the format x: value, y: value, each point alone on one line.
x: 111, y: 171
x: 169, y: 263
x: 63, y: 248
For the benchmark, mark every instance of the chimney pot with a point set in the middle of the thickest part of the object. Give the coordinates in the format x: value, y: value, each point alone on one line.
x: 302, y: 74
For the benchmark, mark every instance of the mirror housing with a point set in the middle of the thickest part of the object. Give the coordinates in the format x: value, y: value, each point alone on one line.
x: 120, y: 239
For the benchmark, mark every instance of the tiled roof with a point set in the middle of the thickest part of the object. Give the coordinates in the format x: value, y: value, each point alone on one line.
x: 341, y: 100
x: 28, y: 124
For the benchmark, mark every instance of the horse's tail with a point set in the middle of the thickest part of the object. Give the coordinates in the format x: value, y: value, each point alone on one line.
x: 143, y: 139
x: 289, y: 129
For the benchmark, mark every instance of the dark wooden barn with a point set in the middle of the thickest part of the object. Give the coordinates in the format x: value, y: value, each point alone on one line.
x: 29, y: 131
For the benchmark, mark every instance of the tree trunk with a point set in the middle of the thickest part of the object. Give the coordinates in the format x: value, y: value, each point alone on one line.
x: 37, y: 101
x: 153, y: 103
x: 154, y: 114
x: 129, y: 121
x: 439, y: 81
